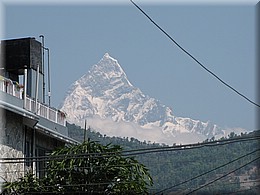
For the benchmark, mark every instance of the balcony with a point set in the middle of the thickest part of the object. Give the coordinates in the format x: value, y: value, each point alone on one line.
x: 15, y: 89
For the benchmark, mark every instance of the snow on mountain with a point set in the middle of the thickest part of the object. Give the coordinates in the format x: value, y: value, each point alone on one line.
x: 112, y: 105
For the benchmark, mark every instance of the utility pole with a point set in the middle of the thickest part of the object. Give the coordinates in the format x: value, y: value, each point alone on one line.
x: 85, y: 130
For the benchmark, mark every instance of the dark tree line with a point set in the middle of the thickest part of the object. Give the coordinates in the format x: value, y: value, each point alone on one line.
x: 173, y: 167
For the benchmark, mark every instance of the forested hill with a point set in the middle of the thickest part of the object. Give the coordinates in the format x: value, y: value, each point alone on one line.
x: 222, y: 167
x: 127, y: 143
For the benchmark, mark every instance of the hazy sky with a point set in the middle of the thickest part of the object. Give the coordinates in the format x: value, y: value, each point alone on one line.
x: 222, y: 36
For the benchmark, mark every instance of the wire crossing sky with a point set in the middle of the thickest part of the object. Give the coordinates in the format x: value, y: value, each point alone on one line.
x: 141, y: 151
x: 195, y: 59
x: 223, y: 36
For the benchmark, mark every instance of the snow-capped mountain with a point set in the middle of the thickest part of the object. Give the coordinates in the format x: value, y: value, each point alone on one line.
x: 112, y: 105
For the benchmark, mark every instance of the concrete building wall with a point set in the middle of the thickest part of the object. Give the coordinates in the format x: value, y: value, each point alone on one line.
x: 17, y: 140
x: 11, y: 145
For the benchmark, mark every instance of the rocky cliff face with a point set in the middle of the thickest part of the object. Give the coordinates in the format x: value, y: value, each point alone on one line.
x: 107, y: 100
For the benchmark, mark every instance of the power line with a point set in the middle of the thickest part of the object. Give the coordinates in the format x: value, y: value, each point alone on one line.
x: 111, y: 166
x: 108, y: 166
x: 200, y: 175
x: 209, y: 183
x: 243, y: 182
x: 77, y: 186
x: 174, y: 148
x: 132, y: 152
x: 244, y: 190
x: 195, y: 59
x: 191, y: 146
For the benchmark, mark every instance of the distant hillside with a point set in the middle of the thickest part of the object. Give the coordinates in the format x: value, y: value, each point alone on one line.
x: 173, y: 168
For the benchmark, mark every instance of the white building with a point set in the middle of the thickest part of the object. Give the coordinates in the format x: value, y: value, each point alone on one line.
x: 28, y: 127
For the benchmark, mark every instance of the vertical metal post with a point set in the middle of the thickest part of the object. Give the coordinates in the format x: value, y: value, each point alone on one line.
x: 37, y: 89
x: 56, y: 116
x: 42, y: 37
x: 49, y: 78
x: 25, y: 87
x: 85, y: 131
x: 24, y: 148
x: 13, y: 89
x: 33, y: 152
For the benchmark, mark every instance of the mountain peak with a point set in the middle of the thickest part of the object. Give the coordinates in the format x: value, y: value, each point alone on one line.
x: 104, y: 78
x: 112, y: 104
x: 109, y: 67
x: 108, y: 57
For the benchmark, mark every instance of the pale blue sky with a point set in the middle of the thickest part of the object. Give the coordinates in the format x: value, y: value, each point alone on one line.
x: 220, y: 36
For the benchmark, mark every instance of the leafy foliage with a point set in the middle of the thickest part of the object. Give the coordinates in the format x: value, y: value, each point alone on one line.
x: 89, y: 168
x: 24, y: 185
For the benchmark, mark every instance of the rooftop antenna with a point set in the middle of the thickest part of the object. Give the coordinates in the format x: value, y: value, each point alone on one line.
x: 49, y: 78
x: 42, y: 38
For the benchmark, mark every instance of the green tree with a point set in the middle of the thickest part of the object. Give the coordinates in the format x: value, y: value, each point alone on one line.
x: 90, y: 168
x: 24, y: 185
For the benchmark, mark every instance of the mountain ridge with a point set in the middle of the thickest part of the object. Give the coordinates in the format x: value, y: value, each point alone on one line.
x: 104, y: 95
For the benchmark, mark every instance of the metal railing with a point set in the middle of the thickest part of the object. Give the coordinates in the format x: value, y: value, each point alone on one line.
x: 11, y: 87
x: 15, y: 89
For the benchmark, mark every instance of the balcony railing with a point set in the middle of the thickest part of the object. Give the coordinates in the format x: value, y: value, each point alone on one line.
x: 14, y: 89
x: 10, y: 87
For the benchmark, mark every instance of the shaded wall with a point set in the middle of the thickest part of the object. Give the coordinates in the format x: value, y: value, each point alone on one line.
x: 11, y: 145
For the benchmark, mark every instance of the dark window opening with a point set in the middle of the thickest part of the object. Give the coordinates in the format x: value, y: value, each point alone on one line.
x: 40, y: 162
